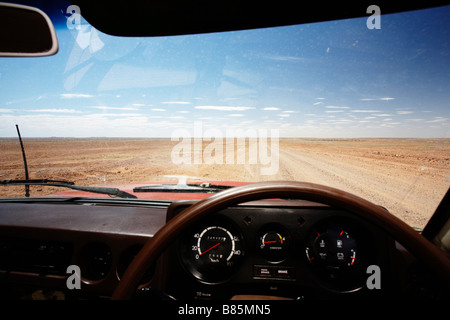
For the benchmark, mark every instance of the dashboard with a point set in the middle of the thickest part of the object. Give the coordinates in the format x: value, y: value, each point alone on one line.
x: 41, y: 238
x: 277, y: 249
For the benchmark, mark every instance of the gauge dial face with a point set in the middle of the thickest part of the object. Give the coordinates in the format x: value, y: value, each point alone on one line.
x: 215, y: 244
x: 274, y: 245
x: 336, y: 251
x: 212, y: 252
x: 332, y: 248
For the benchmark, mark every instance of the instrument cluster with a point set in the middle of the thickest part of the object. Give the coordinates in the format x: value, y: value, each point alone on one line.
x: 271, y: 245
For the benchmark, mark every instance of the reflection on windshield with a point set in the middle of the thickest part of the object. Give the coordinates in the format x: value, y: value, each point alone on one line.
x: 337, y: 103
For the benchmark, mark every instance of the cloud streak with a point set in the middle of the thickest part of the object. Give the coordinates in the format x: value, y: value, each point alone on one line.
x: 56, y: 110
x: 224, y: 108
x: 176, y: 102
x: 113, y: 108
x: 75, y: 95
x: 377, y: 99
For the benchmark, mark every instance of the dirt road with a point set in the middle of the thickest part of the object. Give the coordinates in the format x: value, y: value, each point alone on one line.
x: 397, y: 179
x: 407, y: 176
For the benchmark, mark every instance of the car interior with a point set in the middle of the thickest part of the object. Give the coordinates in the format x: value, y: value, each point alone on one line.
x: 265, y: 240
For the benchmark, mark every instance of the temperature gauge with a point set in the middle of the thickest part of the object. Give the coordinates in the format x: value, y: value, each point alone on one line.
x: 274, y: 245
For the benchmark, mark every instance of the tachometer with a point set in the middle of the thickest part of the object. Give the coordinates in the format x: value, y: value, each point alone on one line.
x: 212, y: 252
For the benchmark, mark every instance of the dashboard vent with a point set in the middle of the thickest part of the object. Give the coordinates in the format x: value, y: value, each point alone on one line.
x: 34, y: 256
x: 95, y: 261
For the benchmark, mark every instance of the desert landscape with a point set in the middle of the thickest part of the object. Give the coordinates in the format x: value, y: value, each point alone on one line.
x: 407, y: 176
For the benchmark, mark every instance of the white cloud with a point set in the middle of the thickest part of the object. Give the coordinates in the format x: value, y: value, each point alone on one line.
x: 271, y: 109
x: 438, y: 119
x: 56, y: 110
x: 158, y: 109
x: 224, y: 108
x: 365, y: 111
x: 176, y: 102
x: 113, y: 108
x: 405, y: 112
x: 415, y: 120
x: 374, y: 99
x: 340, y: 121
x: 75, y: 95
x: 285, y: 58
x: 96, y: 115
x: 5, y: 110
x: 335, y: 107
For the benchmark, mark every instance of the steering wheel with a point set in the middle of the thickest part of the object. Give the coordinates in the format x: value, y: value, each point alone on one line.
x: 419, y: 246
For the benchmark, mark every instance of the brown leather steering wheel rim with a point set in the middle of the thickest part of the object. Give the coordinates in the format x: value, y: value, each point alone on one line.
x: 419, y: 246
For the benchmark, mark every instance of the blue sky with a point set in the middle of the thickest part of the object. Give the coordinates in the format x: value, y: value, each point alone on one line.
x: 337, y: 79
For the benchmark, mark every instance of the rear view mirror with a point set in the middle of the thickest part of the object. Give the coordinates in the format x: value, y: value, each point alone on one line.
x: 26, y: 32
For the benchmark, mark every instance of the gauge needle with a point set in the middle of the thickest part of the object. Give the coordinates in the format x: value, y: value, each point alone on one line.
x: 210, y: 248
x: 275, y: 241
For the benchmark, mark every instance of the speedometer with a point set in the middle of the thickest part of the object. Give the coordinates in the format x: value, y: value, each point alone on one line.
x: 217, y: 244
x: 212, y: 252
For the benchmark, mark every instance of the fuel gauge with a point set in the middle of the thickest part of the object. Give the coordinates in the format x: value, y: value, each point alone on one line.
x: 332, y: 248
x: 274, y: 245
x: 335, y: 250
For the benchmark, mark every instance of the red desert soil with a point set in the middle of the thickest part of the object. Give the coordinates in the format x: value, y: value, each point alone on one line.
x: 407, y: 176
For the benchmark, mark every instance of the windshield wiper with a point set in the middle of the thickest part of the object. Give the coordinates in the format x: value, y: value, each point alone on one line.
x: 183, y: 188
x: 69, y: 184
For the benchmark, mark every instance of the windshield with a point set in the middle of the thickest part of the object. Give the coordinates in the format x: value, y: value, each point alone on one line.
x: 361, y: 105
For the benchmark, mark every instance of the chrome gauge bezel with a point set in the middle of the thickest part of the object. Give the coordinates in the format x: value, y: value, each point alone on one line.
x: 212, y: 251
x: 348, y: 274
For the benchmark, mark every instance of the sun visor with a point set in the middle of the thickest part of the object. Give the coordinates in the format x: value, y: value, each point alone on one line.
x: 177, y: 17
